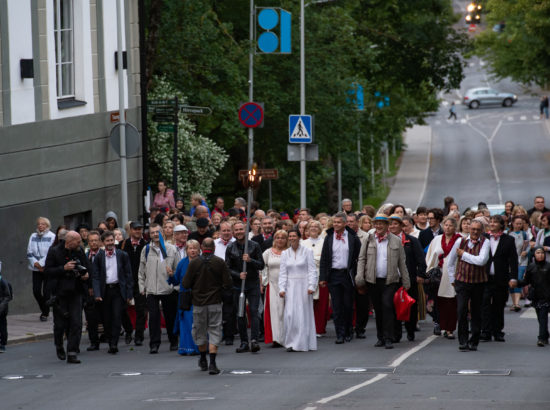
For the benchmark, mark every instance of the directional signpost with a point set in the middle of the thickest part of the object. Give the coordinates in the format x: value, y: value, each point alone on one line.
x: 165, y: 114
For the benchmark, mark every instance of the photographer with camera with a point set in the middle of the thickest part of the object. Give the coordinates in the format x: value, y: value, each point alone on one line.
x: 68, y: 265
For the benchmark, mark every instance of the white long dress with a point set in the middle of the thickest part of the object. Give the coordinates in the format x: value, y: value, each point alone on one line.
x: 270, y: 276
x: 316, y: 245
x: 297, y: 275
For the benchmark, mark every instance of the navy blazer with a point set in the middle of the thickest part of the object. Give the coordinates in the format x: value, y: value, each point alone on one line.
x: 124, y: 270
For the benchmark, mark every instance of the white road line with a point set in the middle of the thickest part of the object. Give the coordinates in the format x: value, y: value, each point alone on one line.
x: 493, y: 164
x: 380, y: 376
x: 523, y: 117
x: 343, y: 393
x: 536, y: 117
x: 428, y: 160
x: 444, y: 103
x: 463, y: 121
x: 310, y: 408
x: 437, y: 122
x: 412, y: 351
x: 510, y: 118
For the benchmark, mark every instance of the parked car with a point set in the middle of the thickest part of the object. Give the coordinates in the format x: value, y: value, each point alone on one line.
x: 476, y: 97
x: 494, y: 209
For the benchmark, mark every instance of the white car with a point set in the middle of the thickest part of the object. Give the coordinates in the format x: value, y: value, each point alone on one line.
x: 476, y: 97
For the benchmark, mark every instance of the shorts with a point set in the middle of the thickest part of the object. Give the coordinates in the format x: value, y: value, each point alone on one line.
x: 207, y: 324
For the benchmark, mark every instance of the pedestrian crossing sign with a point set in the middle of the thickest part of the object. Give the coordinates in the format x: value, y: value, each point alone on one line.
x: 299, y: 129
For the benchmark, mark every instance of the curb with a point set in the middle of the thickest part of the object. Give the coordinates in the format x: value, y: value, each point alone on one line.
x: 30, y: 338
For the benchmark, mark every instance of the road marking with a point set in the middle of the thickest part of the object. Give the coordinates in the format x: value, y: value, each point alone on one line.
x: 310, y: 408
x: 536, y: 117
x: 493, y: 164
x: 444, y: 103
x: 510, y: 118
x: 437, y: 122
x: 463, y: 121
x: 412, y: 351
x: 427, y: 170
x: 379, y: 376
x: 457, y: 102
x: 523, y: 117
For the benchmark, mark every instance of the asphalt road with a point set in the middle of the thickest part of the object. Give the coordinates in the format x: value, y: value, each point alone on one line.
x: 418, y: 377
x: 490, y: 154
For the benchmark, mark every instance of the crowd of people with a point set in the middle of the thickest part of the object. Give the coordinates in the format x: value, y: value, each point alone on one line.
x: 189, y: 271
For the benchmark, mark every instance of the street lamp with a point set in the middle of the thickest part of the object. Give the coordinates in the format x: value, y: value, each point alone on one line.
x: 251, y: 181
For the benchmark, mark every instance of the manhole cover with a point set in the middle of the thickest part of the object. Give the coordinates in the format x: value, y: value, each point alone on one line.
x: 479, y: 372
x: 135, y: 374
x: 363, y: 370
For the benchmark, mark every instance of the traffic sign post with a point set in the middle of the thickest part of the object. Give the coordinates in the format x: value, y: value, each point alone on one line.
x: 251, y: 115
x: 299, y: 129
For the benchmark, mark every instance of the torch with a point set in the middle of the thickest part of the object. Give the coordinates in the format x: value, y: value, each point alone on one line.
x: 251, y: 182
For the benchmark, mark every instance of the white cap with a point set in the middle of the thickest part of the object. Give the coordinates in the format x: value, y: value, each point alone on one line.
x: 180, y: 228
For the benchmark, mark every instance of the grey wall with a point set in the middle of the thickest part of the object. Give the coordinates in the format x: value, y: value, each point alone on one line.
x: 53, y: 169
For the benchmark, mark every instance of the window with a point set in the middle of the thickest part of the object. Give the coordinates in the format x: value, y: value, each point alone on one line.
x: 64, y: 48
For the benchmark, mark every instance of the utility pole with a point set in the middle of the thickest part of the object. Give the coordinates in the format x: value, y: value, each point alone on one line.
x: 251, y: 84
x: 302, y: 103
x: 122, y: 116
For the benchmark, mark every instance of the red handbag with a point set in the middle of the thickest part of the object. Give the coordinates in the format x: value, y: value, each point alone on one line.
x: 403, y: 302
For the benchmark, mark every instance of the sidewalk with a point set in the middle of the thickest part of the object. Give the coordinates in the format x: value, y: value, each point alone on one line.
x: 28, y: 328
x: 410, y: 182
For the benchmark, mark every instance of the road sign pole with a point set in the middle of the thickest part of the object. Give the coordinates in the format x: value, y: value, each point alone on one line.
x: 302, y: 104
x: 339, y: 184
x: 175, y: 153
x: 270, y: 197
x: 251, y: 85
x: 122, y: 118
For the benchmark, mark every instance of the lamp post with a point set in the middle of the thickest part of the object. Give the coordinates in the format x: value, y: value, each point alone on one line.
x: 251, y: 182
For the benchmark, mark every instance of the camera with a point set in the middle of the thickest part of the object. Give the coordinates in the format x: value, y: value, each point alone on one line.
x: 79, y: 270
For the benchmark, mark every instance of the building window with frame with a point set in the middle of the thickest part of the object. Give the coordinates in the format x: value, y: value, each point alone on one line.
x: 64, y: 48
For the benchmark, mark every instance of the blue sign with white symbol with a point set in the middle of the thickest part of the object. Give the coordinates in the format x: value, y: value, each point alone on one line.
x: 299, y: 129
x: 272, y: 20
x: 251, y: 115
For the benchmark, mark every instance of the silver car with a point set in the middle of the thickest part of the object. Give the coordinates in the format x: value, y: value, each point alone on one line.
x: 476, y: 97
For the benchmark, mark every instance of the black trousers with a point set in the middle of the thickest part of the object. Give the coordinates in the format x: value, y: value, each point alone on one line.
x: 229, y: 315
x: 67, y: 318
x: 410, y: 326
x: 141, y: 316
x: 113, y: 307
x: 41, y: 291
x: 542, y: 317
x: 253, y: 297
x: 4, y: 328
x: 431, y: 292
x: 472, y: 293
x: 169, y: 310
x: 362, y: 306
x: 382, y: 299
x: 341, y: 292
x: 492, y: 309
x: 93, y: 312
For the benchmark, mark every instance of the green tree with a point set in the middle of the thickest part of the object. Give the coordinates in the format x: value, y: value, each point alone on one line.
x: 520, y: 51
x: 199, y: 158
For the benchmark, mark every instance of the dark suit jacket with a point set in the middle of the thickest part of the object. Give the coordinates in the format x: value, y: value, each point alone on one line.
x: 354, y: 246
x: 426, y: 236
x: 505, y: 260
x: 134, y: 253
x: 264, y: 244
x: 414, y: 258
x: 124, y: 271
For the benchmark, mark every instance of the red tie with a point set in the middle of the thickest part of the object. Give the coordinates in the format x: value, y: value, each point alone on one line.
x: 340, y: 236
x: 496, y: 235
x: 135, y: 243
x: 109, y: 253
x: 225, y: 242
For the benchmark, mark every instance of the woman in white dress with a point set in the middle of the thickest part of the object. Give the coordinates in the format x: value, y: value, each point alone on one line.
x: 321, y: 307
x: 297, y: 284
x: 274, y: 305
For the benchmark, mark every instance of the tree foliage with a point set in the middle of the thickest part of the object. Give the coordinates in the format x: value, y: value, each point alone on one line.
x: 404, y: 50
x: 199, y: 159
x: 520, y: 51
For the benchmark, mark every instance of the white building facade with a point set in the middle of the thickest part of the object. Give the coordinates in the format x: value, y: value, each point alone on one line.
x: 58, y: 100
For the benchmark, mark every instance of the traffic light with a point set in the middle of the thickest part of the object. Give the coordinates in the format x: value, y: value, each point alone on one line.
x: 474, y: 13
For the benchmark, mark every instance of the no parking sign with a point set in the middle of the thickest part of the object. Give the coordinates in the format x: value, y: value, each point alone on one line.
x: 251, y: 115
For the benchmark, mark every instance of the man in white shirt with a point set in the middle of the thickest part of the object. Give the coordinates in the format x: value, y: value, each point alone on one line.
x: 113, y: 285
x: 226, y: 237
x: 337, y: 269
x: 472, y: 255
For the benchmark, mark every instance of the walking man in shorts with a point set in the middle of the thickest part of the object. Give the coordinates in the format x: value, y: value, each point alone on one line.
x: 207, y: 276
